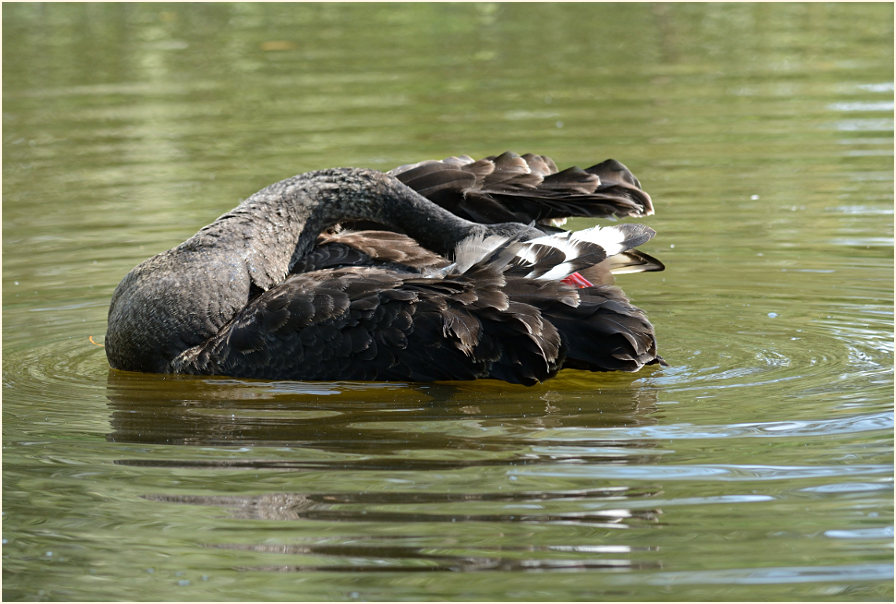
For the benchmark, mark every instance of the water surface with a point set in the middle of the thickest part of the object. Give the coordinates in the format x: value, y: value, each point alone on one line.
x: 757, y: 466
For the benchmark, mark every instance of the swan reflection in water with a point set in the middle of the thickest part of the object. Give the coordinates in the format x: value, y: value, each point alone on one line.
x: 257, y: 453
x: 440, y: 270
x: 364, y: 417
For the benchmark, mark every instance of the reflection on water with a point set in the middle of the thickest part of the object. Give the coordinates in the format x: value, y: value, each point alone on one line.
x: 361, y: 417
x: 757, y: 466
x: 394, y: 431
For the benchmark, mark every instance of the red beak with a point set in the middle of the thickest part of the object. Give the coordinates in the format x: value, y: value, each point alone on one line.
x: 577, y: 280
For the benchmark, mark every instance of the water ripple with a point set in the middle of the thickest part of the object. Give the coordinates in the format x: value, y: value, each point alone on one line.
x: 720, y: 472
x: 868, y: 422
x: 765, y: 576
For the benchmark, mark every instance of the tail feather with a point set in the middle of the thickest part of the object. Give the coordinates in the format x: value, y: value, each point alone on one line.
x: 598, y: 327
x: 604, y: 332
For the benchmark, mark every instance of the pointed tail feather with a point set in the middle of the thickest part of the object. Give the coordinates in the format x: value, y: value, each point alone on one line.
x: 604, y: 332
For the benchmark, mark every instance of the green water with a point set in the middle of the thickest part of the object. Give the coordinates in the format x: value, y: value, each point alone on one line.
x: 757, y: 466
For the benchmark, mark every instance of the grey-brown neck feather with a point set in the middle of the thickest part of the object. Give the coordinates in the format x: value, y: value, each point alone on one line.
x: 279, y: 224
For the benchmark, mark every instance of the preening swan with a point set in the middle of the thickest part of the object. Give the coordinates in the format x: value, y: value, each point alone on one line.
x: 440, y: 270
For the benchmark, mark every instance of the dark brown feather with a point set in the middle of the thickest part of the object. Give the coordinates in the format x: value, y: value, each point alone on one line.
x: 526, y: 188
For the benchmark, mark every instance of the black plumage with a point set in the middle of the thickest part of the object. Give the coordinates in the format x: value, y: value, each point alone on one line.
x: 456, y: 282
x: 527, y: 188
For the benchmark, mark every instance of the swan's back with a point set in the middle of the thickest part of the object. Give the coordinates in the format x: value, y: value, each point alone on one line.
x: 495, y: 312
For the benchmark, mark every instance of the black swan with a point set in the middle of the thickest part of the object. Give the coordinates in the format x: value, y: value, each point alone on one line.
x: 466, y: 277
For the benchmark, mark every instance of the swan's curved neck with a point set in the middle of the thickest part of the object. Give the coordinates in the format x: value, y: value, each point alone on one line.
x: 181, y: 297
x: 282, y: 221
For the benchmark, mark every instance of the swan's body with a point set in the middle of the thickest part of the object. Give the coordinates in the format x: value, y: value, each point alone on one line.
x: 270, y: 290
